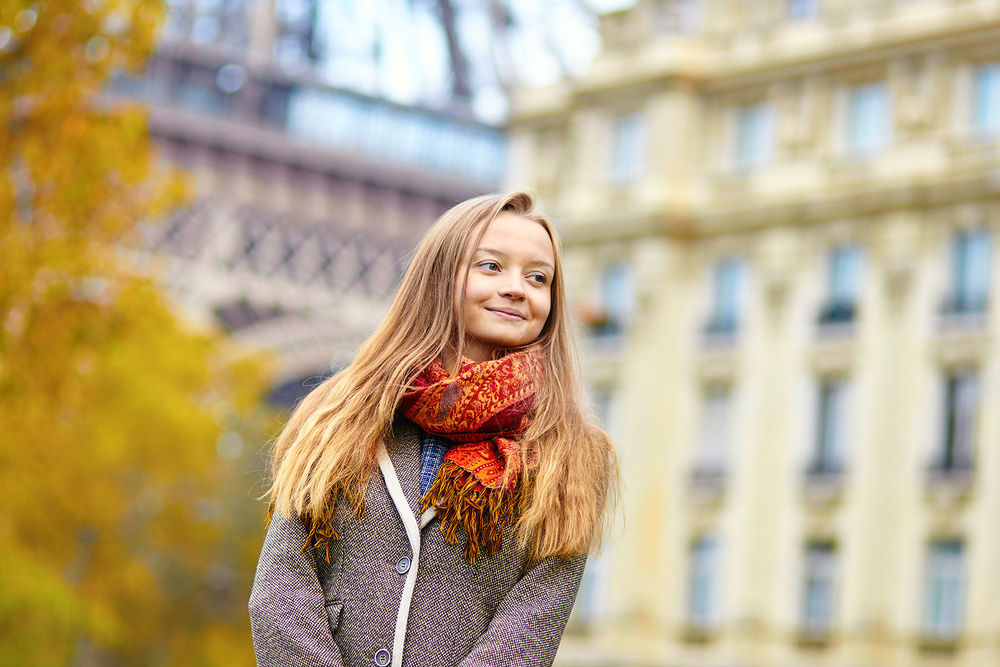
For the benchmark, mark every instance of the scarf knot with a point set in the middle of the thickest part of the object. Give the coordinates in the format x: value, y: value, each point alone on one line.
x: 485, y: 411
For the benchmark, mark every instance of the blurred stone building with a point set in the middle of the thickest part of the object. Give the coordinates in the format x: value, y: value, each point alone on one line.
x: 308, y: 198
x: 780, y: 218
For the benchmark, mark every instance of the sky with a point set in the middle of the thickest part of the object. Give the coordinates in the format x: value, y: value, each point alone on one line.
x: 413, y: 48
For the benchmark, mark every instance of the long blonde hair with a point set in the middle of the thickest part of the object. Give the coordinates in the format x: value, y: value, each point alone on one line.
x: 328, y: 447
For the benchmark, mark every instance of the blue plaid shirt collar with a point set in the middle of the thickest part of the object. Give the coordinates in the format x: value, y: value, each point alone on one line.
x: 432, y: 451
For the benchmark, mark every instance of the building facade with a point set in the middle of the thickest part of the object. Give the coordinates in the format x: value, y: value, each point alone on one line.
x: 307, y: 198
x: 780, y: 218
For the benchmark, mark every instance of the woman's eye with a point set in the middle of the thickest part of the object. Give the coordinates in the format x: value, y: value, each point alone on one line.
x: 490, y: 266
x: 538, y: 278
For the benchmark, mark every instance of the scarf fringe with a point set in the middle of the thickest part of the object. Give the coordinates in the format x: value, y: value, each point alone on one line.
x: 321, y: 529
x: 461, y: 501
x: 483, y: 513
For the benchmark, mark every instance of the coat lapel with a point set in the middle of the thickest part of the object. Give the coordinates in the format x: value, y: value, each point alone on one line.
x: 405, y: 456
x: 404, y: 453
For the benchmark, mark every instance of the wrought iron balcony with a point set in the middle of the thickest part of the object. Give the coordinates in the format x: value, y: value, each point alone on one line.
x: 951, y: 470
x: 963, y: 311
x: 823, y: 482
x: 962, y: 304
x: 721, y: 326
x: 837, y: 312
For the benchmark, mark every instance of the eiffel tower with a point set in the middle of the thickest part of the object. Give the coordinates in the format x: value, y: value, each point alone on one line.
x: 308, y: 197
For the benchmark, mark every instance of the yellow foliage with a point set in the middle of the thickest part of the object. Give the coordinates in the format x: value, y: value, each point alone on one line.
x: 111, y: 534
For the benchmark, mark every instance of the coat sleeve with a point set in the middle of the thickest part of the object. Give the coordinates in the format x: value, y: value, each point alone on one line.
x: 288, y: 617
x: 529, y: 622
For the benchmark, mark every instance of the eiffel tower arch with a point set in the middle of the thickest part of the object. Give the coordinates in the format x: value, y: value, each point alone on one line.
x: 308, y: 198
x: 300, y: 230
x: 308, y: 291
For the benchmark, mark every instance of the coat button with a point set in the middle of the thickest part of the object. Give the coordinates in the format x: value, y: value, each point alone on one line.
x: 382, y: 657
x: 403, y: 565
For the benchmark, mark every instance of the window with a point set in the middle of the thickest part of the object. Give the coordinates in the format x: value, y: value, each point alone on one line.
x: 867, y: 118
x: 710, y: 459
x: 819, y: 585
x: 616, y: 298
x: 754, y: 135
x: 802, y: 9
x: 843, y: 282
x: 676, y: 16
x: 970, y: 272
x: 945, y: 589
x: 727, y: 296
x: 703, y: 594
x: 957, y: 438
x: 827, y: 456
x: 986, y: 100
x: 629, y: 149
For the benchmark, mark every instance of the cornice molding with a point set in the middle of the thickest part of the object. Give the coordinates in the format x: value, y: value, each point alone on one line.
x: 610, y: 226
x: 718, y: 72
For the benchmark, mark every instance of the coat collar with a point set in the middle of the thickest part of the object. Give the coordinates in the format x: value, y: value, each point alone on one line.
x: 403, y: 448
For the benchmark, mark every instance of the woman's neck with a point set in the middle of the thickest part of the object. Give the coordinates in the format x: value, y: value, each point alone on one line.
x: 452, y: 362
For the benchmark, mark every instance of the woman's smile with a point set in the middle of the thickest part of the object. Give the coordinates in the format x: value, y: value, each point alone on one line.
x: 507, y: 314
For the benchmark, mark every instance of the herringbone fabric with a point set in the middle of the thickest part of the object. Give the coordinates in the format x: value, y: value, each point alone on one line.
x: 499, y: 611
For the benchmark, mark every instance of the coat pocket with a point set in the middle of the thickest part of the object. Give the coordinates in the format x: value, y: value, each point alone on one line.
x: 333, y: 609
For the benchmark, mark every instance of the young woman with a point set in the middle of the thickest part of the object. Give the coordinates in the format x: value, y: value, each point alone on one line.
x: 434, y: 502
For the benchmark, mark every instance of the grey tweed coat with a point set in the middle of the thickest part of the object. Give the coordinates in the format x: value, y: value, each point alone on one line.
x: 395, y: 592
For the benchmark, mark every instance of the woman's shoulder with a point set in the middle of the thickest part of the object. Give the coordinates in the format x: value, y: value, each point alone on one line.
x: 404, y: 434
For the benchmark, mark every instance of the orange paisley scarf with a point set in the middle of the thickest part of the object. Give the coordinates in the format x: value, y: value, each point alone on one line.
x: 484, y: 411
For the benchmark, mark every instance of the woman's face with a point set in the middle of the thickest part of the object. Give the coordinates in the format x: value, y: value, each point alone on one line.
x: 508, y: 290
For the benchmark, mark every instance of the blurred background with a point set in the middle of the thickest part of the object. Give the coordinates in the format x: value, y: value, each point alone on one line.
x: 778, y: 219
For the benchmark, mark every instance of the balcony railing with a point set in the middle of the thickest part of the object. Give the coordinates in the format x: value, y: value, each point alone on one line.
x: 824, y: 470
x: 964, y: 311
x: 606, y: 328
x: 963, y: 304
x: 823, y: 481
x: 974, y: 151
x: 815, y: 635
x: 605, y: 333
x: 945, y: 641
x: 708, y: 483
x: 951, y: 470
x: 721, y: 329
x: 837, y: 312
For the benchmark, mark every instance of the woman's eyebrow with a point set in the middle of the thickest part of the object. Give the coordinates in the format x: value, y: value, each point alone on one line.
x: 492, y: 251
x: 503, y: 255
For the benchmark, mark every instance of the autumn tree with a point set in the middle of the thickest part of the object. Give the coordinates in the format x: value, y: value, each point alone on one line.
x: 111, y: 541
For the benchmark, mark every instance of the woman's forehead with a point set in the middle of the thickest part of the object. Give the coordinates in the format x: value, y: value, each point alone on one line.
x: 509, y: 231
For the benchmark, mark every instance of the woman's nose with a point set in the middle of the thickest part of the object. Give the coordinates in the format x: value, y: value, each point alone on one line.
x: 512, y: 286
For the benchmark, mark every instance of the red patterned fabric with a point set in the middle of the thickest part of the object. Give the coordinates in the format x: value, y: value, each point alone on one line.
x: 484, y: 409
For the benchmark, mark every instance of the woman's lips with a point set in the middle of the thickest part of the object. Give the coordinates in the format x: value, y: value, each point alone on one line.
x: 507, y: 314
